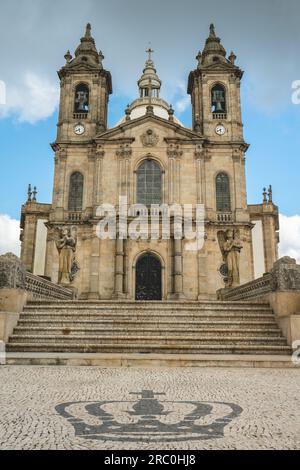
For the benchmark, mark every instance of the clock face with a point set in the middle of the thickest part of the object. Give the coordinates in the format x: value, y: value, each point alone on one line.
x: 79, y: 129
x: 220, y: 129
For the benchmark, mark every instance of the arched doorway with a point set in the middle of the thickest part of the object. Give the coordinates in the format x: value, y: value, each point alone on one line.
x: 148, y: 278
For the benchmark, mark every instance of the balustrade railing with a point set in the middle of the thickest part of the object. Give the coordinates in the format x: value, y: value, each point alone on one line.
x: 42, y: 289
x: 74, y: 216
x: 219, y: 116
x: 80, y: 116
x: 224, y: 216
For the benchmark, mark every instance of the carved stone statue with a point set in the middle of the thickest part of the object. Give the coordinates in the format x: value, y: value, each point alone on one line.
x: 231, y: 246
x: 66, y: 246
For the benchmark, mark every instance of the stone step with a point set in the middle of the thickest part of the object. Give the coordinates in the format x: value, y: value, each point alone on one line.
x: 153, y: 339
x: 155, y: 348
x: 115, y: 359
x: 145, y: 331
x: 206, y: 327
x: 167, y: 324
x: 141, y: 317
x: 145, y: 308
x: 147, y: 304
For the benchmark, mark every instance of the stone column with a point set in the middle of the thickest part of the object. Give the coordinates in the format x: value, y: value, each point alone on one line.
x: 200, y: 181
x: 171, y: 180
x: 94, y: 268
x: 178, y: 275
x: 90, y: 183
x: 174, y: 153
x: 199, y: 157
x: 124, y: 154
x: 98, y: 170
x: 119, y: 269
x: 59, y: 184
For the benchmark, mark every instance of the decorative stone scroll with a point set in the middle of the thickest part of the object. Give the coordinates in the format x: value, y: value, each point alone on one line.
x: 174, y: 151
x: 124, y: 151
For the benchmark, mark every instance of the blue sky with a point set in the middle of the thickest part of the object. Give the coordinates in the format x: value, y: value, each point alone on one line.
x: 264, y: 35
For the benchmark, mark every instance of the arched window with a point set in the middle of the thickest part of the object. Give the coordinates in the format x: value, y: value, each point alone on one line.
x: 76, y: 192
x: 223, y: 193
x: 149, y: 183
x: 81, y: 104
x: 218, y: 99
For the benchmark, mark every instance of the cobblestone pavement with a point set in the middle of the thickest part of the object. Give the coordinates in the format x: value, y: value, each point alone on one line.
x: 217, y: 408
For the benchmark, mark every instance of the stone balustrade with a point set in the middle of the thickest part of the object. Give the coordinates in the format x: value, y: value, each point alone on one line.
x: 284, y: 277
x: 39, y: 288
x: 281, y: 289
x: 17, y: 286
x: 250, y: 290
x: 13, y: 275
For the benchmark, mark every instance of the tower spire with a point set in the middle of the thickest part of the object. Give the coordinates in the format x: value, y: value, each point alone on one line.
x: 213, y: 49
x: 149, y: 84
x: 212, y: 33
x: 88, y: 30
x: 149, y: 52
x: 87, y: 48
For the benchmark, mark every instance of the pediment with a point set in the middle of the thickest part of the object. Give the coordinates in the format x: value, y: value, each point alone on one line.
x: 124, y: 131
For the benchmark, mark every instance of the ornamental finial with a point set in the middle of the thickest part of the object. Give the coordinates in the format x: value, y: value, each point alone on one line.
x: 265, y: 195
x: 68, y: 57
x: 88, y: 31
x: 212, y: 33
x: 232, y: 57
x: 149, y: 52
x: 34, y: 193
x: 29, y: 193
x: 270, y: 194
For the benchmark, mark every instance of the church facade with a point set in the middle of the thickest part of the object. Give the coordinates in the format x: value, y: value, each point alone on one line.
x: 149, y: 157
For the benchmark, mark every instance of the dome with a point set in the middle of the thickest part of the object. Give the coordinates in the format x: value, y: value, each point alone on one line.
x: 149, y: 88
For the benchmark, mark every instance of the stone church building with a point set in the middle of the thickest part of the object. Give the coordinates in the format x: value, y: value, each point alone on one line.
x: 150, y: 158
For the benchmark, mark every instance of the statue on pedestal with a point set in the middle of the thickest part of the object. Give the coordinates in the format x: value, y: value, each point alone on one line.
x: 66, y: 245
x: 231, y: 246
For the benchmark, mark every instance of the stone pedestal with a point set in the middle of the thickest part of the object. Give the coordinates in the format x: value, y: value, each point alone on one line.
x: 12, y: 293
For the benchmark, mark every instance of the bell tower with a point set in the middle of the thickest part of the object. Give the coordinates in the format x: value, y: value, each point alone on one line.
x: 215, y: 93
x: 85, y: 89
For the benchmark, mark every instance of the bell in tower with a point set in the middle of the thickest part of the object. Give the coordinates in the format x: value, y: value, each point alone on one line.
x: 218, y: 99
x: 85, y: 90
x: 214, y: 87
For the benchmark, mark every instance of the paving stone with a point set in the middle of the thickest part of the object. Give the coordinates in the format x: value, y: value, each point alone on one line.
x: 172, y: 408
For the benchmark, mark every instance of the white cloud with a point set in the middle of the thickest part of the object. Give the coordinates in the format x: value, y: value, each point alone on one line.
x: 184, y: 100
x: 9, y: 235
x: 289, y: 236
x: 42, y: 33
x: 32, y: 99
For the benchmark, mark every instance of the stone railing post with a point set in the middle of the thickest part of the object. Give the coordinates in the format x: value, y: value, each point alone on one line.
x: 12, y: 293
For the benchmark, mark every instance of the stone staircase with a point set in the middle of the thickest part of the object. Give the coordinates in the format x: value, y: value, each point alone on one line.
x: 205, y: 327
